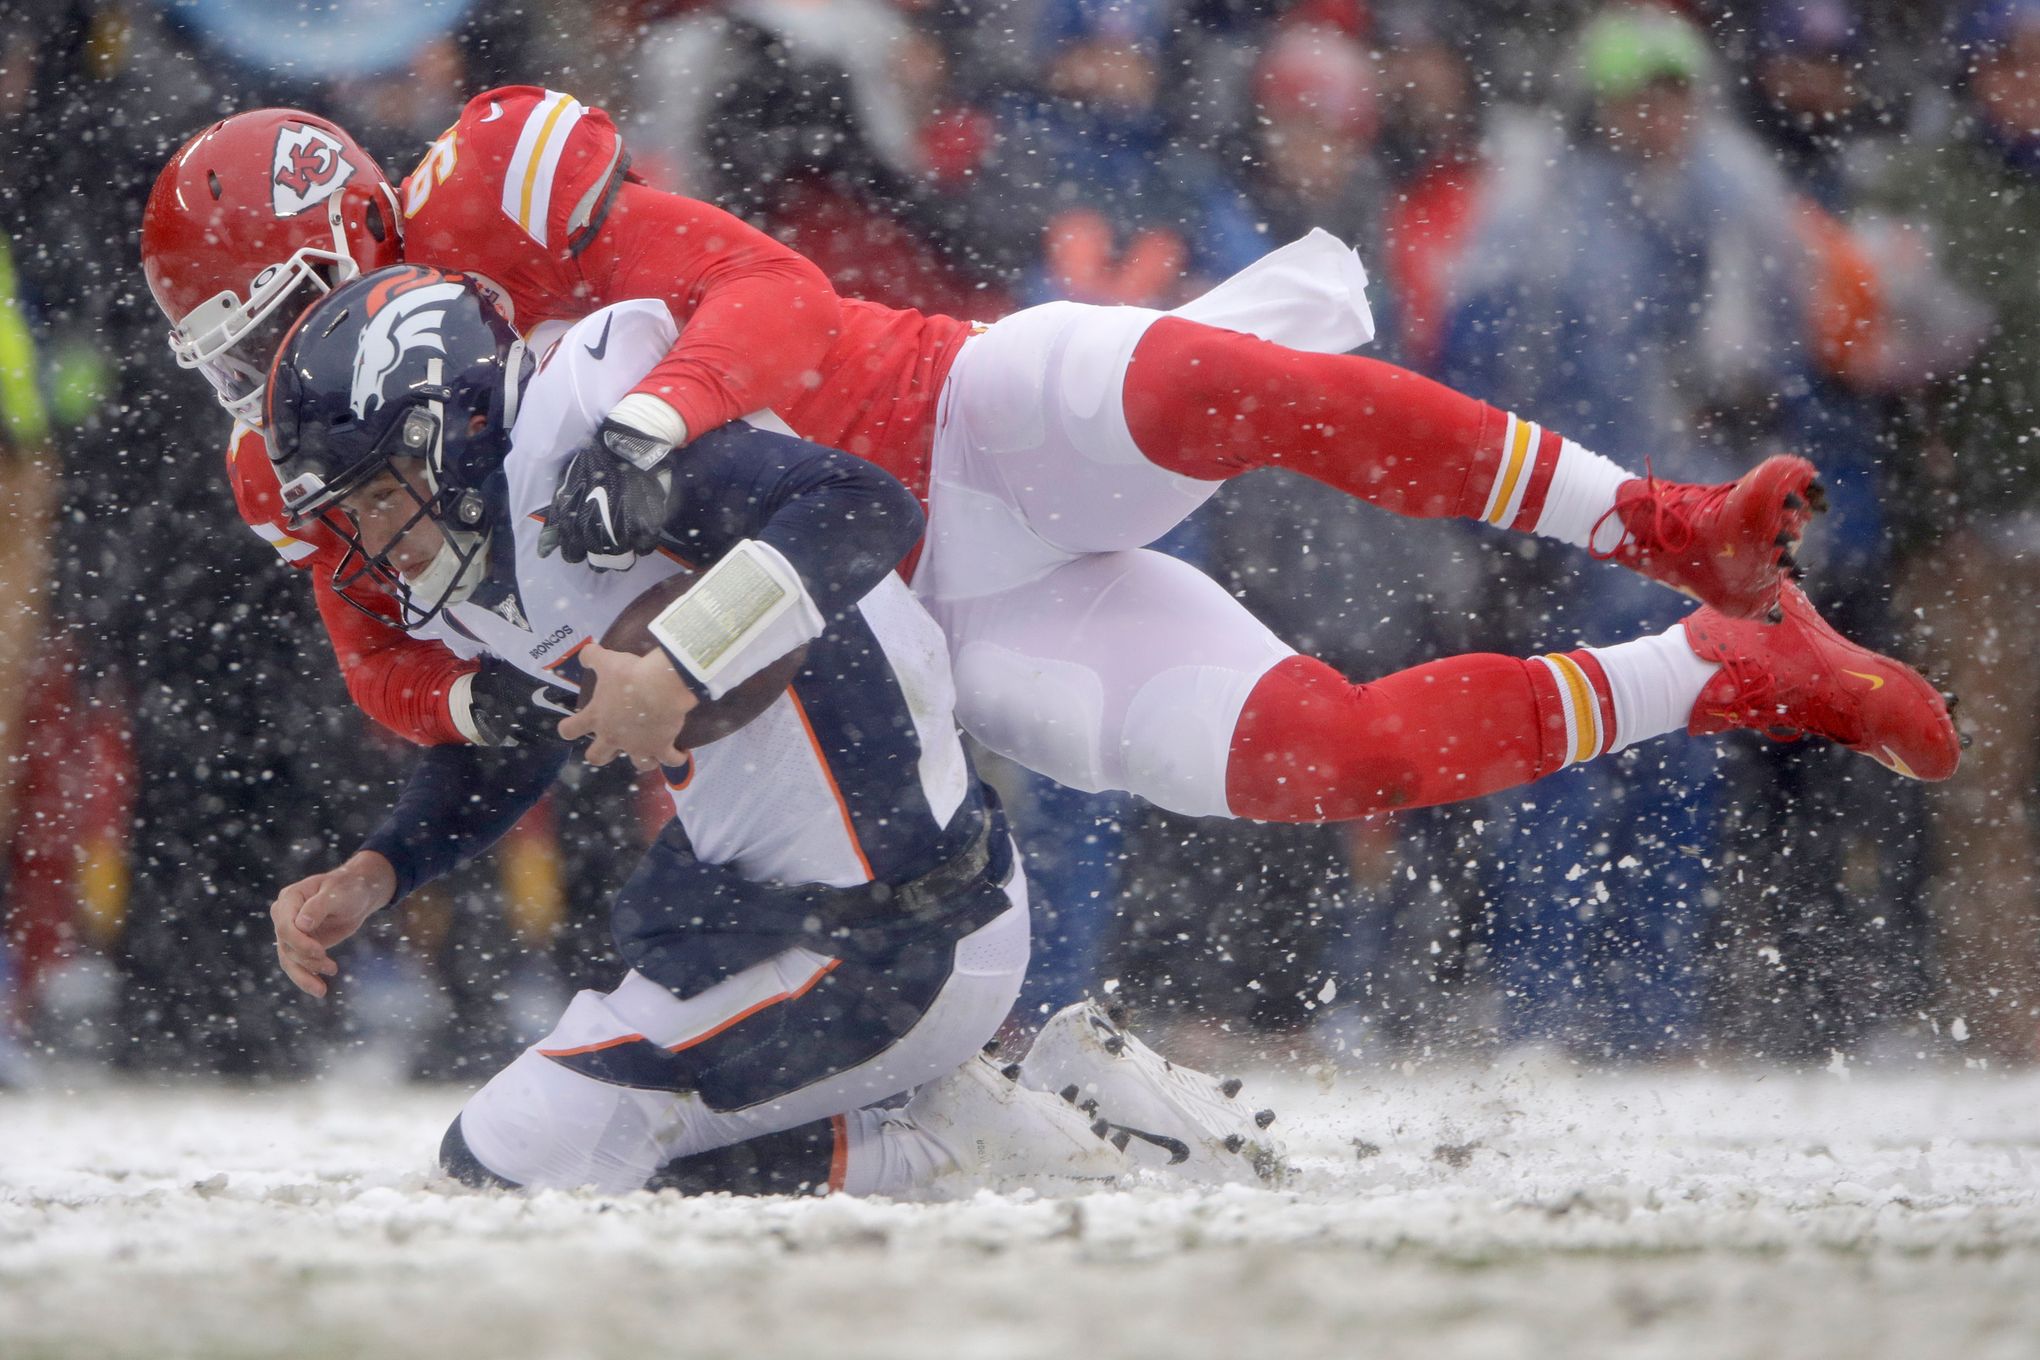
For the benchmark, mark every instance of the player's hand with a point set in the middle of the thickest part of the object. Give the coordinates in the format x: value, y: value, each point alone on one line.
x: 506, y: 707
x: 631, y: 706
x: 314, y: 914
x: 610, y: 507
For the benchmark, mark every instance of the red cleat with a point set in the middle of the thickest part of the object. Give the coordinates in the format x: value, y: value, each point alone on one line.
x: 1727, y: 546
x: 1800, y: 677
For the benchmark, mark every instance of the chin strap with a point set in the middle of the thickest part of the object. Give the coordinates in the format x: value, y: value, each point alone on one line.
x: 515, y: 364
x: 455, y: 570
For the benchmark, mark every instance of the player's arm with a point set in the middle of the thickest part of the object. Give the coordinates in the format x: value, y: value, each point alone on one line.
x: 840, y: 522
x: 457, y: 802
x: 409, y: 685
x: 423, y: 692
x: 756, y: 317
x: 416, y: 688
x: 756, y: 320
x: 797, y: 535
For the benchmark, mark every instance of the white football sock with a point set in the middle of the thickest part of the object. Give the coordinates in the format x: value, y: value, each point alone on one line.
x: 888, y: 1154
x: 1654, y: 681
x: 1582, y: 491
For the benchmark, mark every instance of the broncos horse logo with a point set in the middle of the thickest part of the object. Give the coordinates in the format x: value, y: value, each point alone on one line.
x: 405, y: 313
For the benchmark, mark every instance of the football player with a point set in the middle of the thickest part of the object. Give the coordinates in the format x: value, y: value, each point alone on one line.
x: 835, y: 916
x: 1050, y: 446
x: 254, y: 218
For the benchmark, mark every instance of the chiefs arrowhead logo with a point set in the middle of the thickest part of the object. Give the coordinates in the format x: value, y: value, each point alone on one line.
x: 307, y: 168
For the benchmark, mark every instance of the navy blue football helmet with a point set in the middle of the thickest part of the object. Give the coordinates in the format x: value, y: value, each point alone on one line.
x: 407, y: 363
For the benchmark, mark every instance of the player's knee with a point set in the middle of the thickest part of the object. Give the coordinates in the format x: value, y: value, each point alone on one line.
x: 1176, y: 739
x: 458, y: 1160
x: 1182, y: 397
x: 539, y: 1124
x: 796, y: 1161
x: 1311, y: 746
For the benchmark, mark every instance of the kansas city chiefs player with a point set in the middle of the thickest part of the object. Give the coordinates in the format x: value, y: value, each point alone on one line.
x: 1050, y: 446
x: 251, y: 220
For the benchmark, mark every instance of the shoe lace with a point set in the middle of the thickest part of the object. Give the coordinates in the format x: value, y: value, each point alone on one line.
x: 1671, y: 514
x: 1752, y: 702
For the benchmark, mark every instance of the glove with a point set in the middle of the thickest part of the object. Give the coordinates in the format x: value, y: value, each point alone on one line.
x: 506, y: 707
x: 610, y: 507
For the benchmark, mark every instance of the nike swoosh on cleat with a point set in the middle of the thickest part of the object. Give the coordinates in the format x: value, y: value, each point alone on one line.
x: 1876, y: 681
x: 1178, y: 1150
x: 1893, y: 763
x: 601, y: 347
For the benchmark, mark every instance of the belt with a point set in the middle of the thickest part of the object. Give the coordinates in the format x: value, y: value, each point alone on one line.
x: 931, y: 895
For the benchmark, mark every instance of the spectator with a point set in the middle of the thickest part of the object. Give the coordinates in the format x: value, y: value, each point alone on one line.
x: 1976, y: 494
x: 1431, y: 145
x: 1646, y: 248
x: 1126, y: 213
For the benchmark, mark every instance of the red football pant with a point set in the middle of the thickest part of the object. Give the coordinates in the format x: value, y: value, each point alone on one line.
x: 1211, y: 404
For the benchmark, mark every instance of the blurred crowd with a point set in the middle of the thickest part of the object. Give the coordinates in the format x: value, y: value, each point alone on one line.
x: 1687, y: 235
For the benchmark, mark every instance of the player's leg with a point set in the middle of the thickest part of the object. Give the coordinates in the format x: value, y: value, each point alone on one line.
x: 966, y: 1130
x: 1134, y: 671
x: 1208, y: 403
x: 638, y: 1086
x: 1121, y: 670
x: 1069, y: 429
x: 633, y: 1078
x: 1311, y: 746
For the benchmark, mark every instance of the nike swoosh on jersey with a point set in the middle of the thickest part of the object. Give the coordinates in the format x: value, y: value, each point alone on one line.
x: 495, y: 112
x: 601, y: 347
x: 1876, y: 681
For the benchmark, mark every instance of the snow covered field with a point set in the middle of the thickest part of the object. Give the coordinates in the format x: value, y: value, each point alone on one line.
x: 1543, y: 1211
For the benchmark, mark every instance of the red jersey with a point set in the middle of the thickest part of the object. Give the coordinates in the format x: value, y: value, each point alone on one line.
x: 402, y: 682
x: 530, y: 190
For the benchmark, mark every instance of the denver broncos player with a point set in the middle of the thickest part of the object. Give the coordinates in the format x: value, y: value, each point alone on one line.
x: 835, y: 915
x: 1051, y: 445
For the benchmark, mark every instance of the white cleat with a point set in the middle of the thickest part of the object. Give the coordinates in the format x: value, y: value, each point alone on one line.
x: 997, y: 1133
x: 1166, y: 1115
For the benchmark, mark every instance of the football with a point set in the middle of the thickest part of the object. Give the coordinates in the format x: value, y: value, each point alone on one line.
x: 715, y: 718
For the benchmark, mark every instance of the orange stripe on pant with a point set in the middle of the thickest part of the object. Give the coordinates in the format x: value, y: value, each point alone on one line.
x: 750, y: 1011
x: 842, y: 805
x: 839, y: 1157
x: 707, y: 1034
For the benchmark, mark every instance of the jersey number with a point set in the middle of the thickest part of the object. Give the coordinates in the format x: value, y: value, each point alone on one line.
x: 431, y: 172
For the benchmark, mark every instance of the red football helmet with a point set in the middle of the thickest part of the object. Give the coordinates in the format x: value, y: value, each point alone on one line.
x: 251, y: 220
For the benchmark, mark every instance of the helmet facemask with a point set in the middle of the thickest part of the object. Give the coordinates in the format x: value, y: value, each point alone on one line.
x: 232, y: 341
x: 390, y: 404
x: 458, y: 513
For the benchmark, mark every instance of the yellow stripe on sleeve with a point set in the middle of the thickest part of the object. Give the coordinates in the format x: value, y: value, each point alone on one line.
x: 1586, y: 709
x: 1518, y: 458
x: 537, y: 157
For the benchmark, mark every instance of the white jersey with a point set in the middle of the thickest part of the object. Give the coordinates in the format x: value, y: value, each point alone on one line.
x: 841, y: 781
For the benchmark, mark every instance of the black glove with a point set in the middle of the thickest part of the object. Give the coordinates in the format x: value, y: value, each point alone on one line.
x: 506, y: 707
x: 610, y: 507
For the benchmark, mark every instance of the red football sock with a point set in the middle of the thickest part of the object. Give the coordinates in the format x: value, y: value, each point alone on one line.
x: 1212, y: 404
x: 1312, y: 746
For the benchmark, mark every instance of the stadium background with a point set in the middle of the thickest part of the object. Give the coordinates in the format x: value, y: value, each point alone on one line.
x: 1692, y: 239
